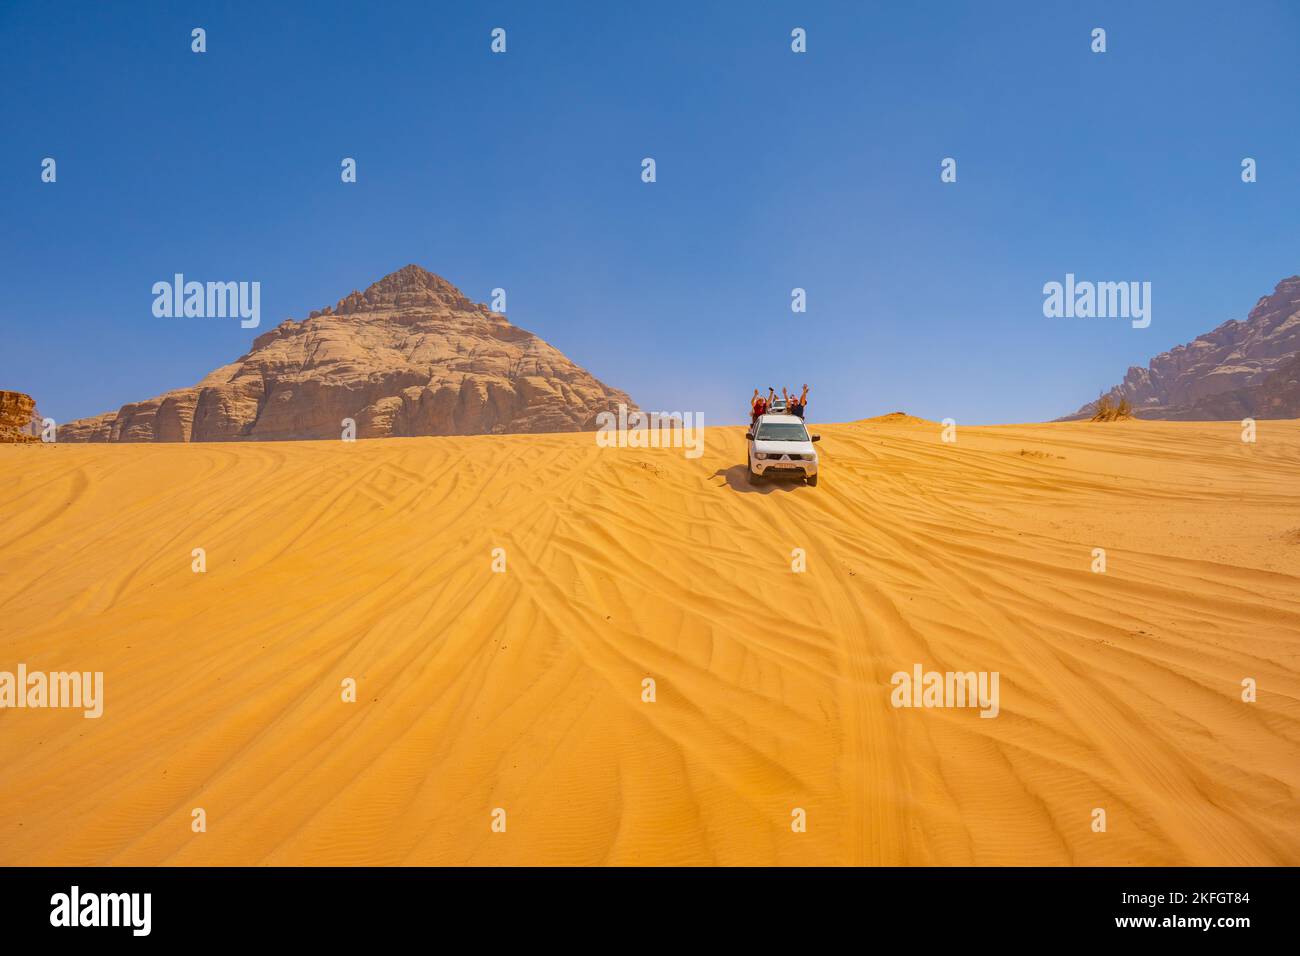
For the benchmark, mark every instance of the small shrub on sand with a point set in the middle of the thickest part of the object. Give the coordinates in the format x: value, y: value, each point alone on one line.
x: 1107, y: 409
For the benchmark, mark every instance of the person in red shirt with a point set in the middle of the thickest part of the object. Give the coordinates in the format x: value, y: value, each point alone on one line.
x: 757, y: 406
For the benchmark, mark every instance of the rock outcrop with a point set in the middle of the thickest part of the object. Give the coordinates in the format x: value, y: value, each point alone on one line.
x: 19, y: 420
x: 410, y: 355
x: 1241, y: 369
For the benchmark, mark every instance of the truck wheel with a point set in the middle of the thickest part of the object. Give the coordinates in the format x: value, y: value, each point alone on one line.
x: 812, y: 481
x: 753, y: 478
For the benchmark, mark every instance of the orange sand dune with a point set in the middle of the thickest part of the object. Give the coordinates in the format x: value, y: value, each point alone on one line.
x: 523, y: 690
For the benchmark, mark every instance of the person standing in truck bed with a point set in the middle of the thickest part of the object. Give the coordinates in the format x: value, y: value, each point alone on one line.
x: 795, y: 404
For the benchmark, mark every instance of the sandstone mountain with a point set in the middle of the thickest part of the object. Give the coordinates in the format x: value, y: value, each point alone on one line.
x: 409, y: 356
x: 1241, y: 369
x: 19, y: 419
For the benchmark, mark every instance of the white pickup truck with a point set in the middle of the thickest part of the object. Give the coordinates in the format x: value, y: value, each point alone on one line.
x: 779, y: 445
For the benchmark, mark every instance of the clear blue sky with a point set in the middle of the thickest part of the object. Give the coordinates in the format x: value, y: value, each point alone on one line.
x: 775, y: 170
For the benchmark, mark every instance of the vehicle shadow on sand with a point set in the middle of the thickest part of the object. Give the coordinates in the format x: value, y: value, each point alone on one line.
x: 737, y: 479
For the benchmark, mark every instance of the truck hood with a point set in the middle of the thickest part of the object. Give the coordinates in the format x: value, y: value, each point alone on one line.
x: 784, y: 447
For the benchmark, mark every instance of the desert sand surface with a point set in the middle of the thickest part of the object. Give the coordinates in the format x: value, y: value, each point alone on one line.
x: 522, y: 690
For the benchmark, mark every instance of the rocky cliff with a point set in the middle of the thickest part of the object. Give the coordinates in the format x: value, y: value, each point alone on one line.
x: 410, y: 355
x: 19, y: 420
x: 1242, y: 369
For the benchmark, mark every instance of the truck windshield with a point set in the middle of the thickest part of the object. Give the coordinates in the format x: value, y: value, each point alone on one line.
x: 781, y: 431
